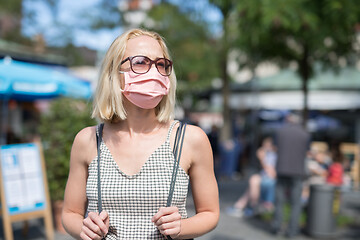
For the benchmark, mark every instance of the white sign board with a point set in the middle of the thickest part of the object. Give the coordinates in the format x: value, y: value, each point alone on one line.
x: 22, y: 178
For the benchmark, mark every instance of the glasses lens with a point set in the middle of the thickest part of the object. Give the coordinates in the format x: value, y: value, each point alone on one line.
x: 164, y: 66
x: 140, y: 64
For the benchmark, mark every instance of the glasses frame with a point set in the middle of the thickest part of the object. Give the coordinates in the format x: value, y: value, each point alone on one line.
x: 151, y: 63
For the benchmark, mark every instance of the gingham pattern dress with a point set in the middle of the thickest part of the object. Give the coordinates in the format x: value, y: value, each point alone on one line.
x: 132, y: 201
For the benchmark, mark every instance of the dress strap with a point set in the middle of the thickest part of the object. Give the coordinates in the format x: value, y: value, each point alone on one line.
x: 97, y: 129
x: 99, y: 132
x: 170, y: 129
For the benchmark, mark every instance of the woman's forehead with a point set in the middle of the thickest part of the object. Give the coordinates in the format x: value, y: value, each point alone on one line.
x: 143, y: 45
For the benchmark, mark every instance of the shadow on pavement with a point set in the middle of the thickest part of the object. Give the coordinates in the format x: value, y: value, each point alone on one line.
x: 352, y: 232
x: 223, y: 237
x: 259, y: 224
x: 31, y: 231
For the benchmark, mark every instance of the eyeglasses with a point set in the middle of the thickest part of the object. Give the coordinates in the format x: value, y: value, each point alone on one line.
x: 142, y: 64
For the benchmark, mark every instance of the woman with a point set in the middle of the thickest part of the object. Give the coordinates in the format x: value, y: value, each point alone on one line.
x: 135, y: 99
x: 261, y: 185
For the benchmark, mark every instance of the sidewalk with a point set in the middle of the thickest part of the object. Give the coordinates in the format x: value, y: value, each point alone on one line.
x: 229, y: 228
x: 232, y: 228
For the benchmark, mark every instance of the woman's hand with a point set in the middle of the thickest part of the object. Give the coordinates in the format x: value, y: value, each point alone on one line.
x: 95, y: 226
x: 168, y: 221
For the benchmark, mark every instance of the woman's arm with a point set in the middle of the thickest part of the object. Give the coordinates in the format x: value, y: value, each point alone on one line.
x: 75, y: 201
x: 260, y: 154
x: 197, y: 158
x: 270, y: 170
x: 203, y: 184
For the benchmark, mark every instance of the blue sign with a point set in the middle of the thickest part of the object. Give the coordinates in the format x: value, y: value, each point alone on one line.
x: 22, y: 178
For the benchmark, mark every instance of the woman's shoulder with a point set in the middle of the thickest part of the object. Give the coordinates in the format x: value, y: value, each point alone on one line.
x: 85, y: 137
x: 84, y: 145
x: 195, y: 135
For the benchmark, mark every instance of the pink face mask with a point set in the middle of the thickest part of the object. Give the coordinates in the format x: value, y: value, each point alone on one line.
x: 145, y: 90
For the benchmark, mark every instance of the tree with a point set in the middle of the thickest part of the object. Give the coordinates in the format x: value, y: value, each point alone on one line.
x: 57, y: 129
x: 225, y: 45
x: 190, y: 45
x: 11, y: 15
x: 304, y: 32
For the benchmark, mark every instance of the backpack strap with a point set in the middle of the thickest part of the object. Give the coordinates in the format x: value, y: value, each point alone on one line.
x: 178, y: 144
x: 98, y: 143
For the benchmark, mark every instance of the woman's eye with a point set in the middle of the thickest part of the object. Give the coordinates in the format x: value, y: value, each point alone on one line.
x: 139, y: 63
x: 161, y: 64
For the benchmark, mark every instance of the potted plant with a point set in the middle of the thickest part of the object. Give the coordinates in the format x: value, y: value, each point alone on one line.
x: 58, y: 127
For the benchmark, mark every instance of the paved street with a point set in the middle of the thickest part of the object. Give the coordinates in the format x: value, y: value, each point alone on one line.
x: 229, y: 228
x: 232, y: 228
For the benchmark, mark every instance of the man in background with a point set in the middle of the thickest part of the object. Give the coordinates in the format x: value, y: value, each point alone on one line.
x: 292, y: 142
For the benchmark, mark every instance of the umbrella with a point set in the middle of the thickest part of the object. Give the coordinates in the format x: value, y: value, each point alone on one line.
x: 28, y: 82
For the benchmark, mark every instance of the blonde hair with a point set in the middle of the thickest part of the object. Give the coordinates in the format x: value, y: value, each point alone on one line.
x: 108, y: 99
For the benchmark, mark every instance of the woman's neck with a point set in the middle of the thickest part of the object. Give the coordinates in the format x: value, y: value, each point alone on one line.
x: 138, y: 121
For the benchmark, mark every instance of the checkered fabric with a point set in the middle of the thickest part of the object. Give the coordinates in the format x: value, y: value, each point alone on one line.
x: 132, y: 201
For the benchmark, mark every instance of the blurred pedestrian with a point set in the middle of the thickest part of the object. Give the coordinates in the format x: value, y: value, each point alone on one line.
x: 335, y: 174
x: 229, y: 153
x: 261, y: 191
x: 213, y: 136
x: 135, y: 100
x: 316, y: 167
x: 292, y: 142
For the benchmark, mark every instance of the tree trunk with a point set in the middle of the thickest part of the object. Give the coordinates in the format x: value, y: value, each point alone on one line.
x: 226, y: 129
x: 305, y: 75
x: 306, y: 102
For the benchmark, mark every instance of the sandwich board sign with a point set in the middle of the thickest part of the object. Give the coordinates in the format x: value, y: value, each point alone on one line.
x: 24, y: 193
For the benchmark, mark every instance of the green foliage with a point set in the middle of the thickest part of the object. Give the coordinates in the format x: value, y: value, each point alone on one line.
x: 344, y: 220
x: 57, y: 129
x: 11, y: 6
x: 303, y: 31
x: 268, y: 216
x: 341, y: 220
x: 11, y: 11
x: 191, y: 46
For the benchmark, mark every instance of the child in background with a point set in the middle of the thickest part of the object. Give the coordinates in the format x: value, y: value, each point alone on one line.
x: 336, y: 170
x: 318, y: 163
